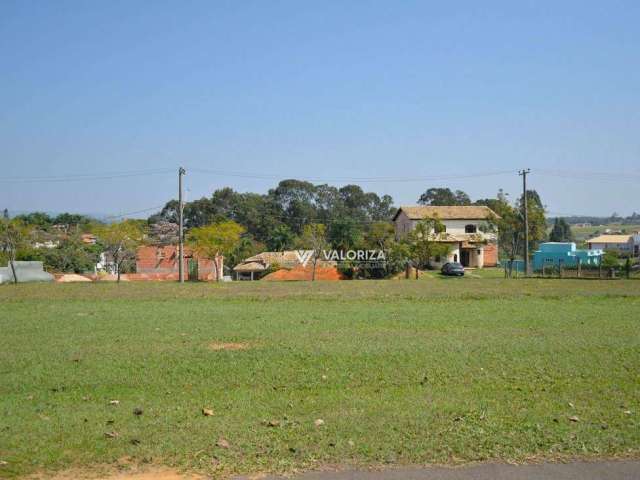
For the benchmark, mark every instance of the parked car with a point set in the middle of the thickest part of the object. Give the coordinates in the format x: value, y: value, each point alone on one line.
x: 452, y: 268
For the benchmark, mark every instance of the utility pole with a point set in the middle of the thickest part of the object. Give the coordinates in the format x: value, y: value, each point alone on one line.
x: 524, y: 173
x: 181, y: 172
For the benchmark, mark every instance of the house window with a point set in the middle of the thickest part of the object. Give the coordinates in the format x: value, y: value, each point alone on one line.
x: 470, y: 228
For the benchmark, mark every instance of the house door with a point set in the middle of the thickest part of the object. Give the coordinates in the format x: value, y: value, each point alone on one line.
x: 193, y: 269
x: 464, y: 258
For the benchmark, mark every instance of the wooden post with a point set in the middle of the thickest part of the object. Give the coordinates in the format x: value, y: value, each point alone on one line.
x: 579, y: 267
x: 559, y: 268
x: 600, y: 269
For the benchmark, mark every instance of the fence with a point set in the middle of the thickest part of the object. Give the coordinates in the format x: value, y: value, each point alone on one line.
x: 560, y: 270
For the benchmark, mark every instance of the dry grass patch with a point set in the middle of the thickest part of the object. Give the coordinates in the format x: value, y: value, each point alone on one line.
x: 158, y: 473
x: 216, y: 346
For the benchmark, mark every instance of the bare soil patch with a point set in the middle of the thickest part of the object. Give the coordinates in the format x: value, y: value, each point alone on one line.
x: 216, y: 346
x: 158, y: 473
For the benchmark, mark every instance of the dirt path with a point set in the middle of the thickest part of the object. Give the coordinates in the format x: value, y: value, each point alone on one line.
x: 609, y: 470
x: 613, y: 470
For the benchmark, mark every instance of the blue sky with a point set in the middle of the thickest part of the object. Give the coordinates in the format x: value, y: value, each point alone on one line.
x: 325, y: 90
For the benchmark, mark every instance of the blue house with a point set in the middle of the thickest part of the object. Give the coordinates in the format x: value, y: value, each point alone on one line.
x: 566, y: 254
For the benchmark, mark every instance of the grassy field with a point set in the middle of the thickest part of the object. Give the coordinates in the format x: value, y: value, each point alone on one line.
x: 399, y: 372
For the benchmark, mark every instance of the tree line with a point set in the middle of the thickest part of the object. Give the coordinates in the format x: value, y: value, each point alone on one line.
x: 289, y: 216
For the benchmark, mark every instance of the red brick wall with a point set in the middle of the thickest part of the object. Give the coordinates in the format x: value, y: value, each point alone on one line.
x: 164, y: 260
x: 491, y: 255
x: 158, y: 259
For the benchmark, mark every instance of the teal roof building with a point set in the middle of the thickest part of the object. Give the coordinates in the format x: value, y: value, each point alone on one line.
x: 565, y: 254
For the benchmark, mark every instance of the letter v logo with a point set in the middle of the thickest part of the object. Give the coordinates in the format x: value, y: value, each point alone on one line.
x: 304, y: 256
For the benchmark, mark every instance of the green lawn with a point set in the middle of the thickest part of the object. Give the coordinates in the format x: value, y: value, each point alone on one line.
x: 401, y: 372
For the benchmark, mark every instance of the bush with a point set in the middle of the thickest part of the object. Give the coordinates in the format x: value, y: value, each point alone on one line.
x: 610, y: 260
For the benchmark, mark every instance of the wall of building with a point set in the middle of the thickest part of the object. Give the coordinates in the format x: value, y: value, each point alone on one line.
x: 164, y: 260
x: 491, y: 254
x: 617, y: 247
x: 404, y: 225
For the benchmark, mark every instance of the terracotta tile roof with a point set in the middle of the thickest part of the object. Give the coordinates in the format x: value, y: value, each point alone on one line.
x: 285, y: 259
x: 250, y: 267
x: 454, y: 212
x: 281, y: 258
x: 610, y: 239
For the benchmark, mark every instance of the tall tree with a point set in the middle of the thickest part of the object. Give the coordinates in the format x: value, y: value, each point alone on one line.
x: 561, y: 231
x: 281, y: 238
x: 211, y: 241
x: 296, y: 199
x: 344, y: 233
x: 120, y: 240
x: 314, y: 237
x: 444, y: 197
x: 14, y: 235
x: 536, y: 217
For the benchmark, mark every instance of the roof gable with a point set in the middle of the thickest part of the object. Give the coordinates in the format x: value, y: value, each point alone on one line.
x: 611, y: 239
x: 450, y: 212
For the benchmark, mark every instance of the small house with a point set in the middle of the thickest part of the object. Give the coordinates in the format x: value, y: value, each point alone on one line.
x: 622, y: 244
x: 564, y: 254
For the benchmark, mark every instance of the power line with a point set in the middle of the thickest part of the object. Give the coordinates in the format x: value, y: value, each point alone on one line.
x: 112, y: 217
x: 262, y: 176
x: 75, y: 177
x: 85, y: 177
x: 586, y: 175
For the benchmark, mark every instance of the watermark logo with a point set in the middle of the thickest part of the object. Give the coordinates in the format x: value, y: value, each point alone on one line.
x: 363, y: 258
x: 304, y: 256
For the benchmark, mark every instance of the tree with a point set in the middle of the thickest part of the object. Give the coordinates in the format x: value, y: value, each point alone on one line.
x: 537, y: 220
x: 380, y: 235
x: 424, y: 242
x: 296, y: 199
x: 280, y: 239
x: 217, y: 239
x: 344, y: 233
x: 71, y: 255
x: 40, y: 220
x: 314, y: 237
x: 444, y: 197
x: 121, y: 240
x: 561, y: 231
x: 292, y: 203
x: 610, y: 259
x: 14, y: 234
x: 246, y: 247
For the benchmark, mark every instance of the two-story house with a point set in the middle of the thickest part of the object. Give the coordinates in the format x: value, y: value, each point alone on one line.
x: 468, y: 230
